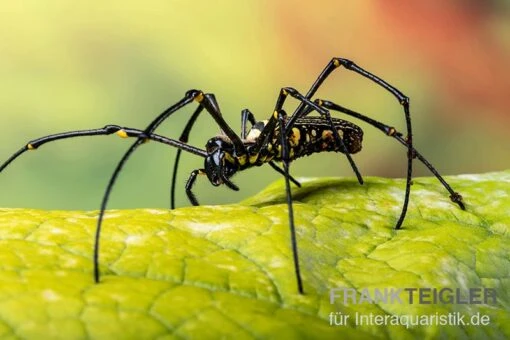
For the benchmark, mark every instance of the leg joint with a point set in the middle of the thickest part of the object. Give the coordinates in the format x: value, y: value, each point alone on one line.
x: 111, y: 128
x: 344, y: 62
x: 289, y: 90
x: 390, y: 131
x: 195, y: 94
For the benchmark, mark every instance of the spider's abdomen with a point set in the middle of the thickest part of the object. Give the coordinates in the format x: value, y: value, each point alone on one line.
x: 313, y: 135
x: 309, y: 135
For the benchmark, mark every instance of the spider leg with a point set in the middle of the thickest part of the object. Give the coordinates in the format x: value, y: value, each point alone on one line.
x: 391, y: 132
x: 107, y: 130
x: 279, y: 117
x: 188, y: 98
x: 282, y: 172
x: 191, y: 182
x: 247, y: 115
x: 189, y: 185
x: 208, y: 101
x: 211, y: 105
x: 285, y: 160
x: 183, y: 138
x: 402, y: 99
x: 187, y: 129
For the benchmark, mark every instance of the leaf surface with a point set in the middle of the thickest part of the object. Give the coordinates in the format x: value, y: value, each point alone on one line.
x: 227, y: 271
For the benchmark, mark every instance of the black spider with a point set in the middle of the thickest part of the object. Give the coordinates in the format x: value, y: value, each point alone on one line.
x: 281, y: 138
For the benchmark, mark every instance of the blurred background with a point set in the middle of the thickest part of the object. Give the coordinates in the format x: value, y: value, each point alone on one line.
x: 76, y: 65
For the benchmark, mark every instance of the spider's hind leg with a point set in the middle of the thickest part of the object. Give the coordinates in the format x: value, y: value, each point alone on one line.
x: 392, y: 132
x: 334, y: 64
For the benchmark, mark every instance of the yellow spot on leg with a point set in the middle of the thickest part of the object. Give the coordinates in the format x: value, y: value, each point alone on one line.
x: 122, y: 134
x: 336, y: 62
x: 199, y: 97
x: 30, y: 147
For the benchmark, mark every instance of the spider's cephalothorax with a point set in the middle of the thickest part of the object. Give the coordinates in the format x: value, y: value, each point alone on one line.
x: 281, y: 138
x: 218, y: 164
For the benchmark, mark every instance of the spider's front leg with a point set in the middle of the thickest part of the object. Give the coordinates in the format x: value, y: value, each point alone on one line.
x: 246, y: 116
x: 189, y: 185
x: 209, y: 102
x: 216, y: 170
x: 123, y: 132
x: 184, y: 139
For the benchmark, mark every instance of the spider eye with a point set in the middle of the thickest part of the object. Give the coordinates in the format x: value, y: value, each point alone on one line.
x: 212, y: 145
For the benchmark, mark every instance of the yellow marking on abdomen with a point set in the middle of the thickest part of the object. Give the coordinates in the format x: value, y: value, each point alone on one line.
x: 295, y: 137
x: 327, y: 134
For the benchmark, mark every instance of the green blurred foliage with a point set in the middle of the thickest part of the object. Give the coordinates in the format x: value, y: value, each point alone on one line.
x: 77, y: 65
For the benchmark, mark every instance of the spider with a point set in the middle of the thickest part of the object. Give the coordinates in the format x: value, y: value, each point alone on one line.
x: 281, y: 138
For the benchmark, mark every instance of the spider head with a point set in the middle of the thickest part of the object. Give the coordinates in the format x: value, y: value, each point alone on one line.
x: 218, y: 164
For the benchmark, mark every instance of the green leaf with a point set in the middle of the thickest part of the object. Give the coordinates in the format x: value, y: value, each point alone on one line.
x: 227, y: 271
